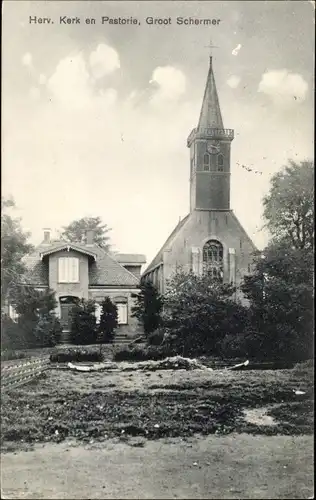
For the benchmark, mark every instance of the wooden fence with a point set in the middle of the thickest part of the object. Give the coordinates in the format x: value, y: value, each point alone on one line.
x: 22, y: 372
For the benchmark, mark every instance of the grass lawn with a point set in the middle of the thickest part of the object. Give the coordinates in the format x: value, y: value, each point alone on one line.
x: 243, y: 424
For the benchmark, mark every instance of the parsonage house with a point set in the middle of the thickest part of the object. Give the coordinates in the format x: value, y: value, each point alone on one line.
x: 210, y: 237
x: 85, y: 271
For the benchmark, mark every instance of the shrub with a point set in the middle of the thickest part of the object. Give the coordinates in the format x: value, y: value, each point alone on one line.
x: 108, y: 321
x: 11, y: 335
x: 7, y: 355
x: 83, y: 323
x: 148, y: 307
x: 48, y: 331
x: 76, y: 355
x: 248, y: 344
x: 199, y: 312
x: 156, y: 337
x: 140, y: 354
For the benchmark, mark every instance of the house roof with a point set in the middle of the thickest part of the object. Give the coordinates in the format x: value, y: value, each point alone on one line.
x: 130, y: 258
x: 159, y: 256
x: 104, y: 270
x: 57, y: 247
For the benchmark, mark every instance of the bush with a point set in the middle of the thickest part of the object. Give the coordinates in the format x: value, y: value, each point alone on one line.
x: 48, y: 331
x: 83, y: 324
x: 76, y: 355
x: 7, y: 355
x: 156, y: 337
x: 244, y: 345
x: 141, y: 354
x: 11, y: 335
x: 108, y: 321
x: 199, y: 312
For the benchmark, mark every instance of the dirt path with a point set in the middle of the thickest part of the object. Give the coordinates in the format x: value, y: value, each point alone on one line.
x: 223, y: 467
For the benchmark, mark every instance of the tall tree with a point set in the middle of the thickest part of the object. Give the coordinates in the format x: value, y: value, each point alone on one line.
x: 280, y: 290
x: 14, y: 246
x: 76, y: 231
x: 108, y: 321
x: 289, y: 205
x: 148, y: 307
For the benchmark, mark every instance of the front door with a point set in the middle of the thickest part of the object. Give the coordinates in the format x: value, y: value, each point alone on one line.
x: 65, y: 316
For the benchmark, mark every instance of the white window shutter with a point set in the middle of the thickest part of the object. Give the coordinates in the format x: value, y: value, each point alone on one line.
x: 98, y: 309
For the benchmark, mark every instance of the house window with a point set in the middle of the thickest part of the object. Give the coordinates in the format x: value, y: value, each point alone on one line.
x: 213, y: 259
x: 68, y: 270
x: 122, y: 314
x: 206, y: 162
x: 97, y: 313
x: 220, y: 163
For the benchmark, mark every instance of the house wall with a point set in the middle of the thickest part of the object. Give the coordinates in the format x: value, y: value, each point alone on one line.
x: 133, y: 328
x: 76, y: 289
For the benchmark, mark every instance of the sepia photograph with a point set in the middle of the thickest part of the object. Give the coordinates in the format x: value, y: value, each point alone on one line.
x: 157, y: 249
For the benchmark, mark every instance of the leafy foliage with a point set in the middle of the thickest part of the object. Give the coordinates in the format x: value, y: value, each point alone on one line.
x: 108, y: 321
x: 36, y: 325
x: 83, y: 323
x: 280, y: 290
x: 289, y: 206
x: 14, y: 247
x: 199, y: 313
x: 148, y: 307
x: 76, y: 231
x: 76, y: 355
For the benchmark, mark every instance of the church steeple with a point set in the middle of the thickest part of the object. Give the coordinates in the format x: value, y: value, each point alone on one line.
x: 210, y: 116
x: 209, y: 145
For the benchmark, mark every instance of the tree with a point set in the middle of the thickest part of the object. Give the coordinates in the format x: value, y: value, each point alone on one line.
x: 76, y: 231
x: 108, y: 321
x: 289, y: 206
x: 280, y: 290
x: 199, y: 312
x: 148, y: 307
x: 83, y: 324
x: 14, y: 246
x: 36, y: 325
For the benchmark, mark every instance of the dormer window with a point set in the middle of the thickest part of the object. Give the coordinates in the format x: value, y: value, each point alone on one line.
x: 68, y: 270
x: 206, y: 162
x: 220, y: 163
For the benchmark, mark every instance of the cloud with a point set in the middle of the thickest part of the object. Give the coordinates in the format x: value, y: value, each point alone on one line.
x: 283, y: 87
x: 42, y: 79
x: 103, y: 61
x: 35, y: 93
x: 70, y: 83
x: 233, y: 81
x: 236, y: 50
x: 27, y: 59
x: 170, y: 81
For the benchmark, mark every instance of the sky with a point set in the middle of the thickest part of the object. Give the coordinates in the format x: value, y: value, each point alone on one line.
x: 96, y: 116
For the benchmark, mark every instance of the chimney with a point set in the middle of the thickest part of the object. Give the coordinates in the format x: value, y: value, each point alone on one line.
x: 90, y: 237
x: 47, y: 233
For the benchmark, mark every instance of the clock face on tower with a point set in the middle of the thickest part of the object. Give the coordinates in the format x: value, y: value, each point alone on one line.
x: 213, y: 147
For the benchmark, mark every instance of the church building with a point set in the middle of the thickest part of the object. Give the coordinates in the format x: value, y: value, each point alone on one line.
x: 210, y: 237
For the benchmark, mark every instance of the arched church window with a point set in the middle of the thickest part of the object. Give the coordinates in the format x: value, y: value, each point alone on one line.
x: 206, y: 162
x: 220, y: 163
x: 213, y: 259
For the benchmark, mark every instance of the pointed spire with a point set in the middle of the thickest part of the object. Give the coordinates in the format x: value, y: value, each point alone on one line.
x: 210, y: 116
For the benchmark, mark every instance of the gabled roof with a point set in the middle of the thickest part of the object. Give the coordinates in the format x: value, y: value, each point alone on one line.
x: 159, y: 256
x: 130, y: 258
x: 57, y: 247
x: 210, y: 116
x: 104, y: 270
